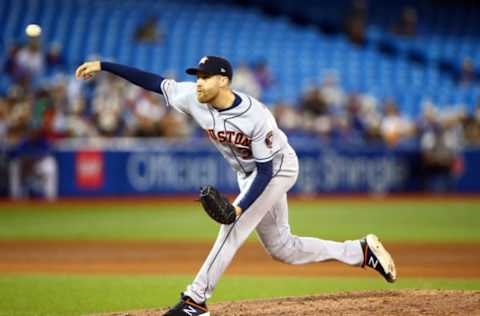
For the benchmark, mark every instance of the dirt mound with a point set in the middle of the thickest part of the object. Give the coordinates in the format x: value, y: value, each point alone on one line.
x: 403, y: 302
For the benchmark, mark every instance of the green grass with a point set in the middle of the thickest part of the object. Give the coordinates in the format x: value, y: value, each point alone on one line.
x: 86, y: 294
x: 80, y: 295
x: 394, y: 221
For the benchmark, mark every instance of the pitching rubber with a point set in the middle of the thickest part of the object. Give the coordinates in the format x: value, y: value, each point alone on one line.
x: 383, y: 257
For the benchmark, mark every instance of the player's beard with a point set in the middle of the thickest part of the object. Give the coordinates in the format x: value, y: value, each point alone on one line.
x: 206, y: 97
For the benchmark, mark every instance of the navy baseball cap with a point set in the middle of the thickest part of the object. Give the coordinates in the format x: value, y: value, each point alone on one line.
x: 212, y: 65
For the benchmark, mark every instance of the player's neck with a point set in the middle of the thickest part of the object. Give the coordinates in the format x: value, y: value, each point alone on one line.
x: 223, y: 100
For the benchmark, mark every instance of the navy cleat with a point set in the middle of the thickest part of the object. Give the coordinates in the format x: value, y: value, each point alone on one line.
x: 187, y: 307
x: 377, y: 257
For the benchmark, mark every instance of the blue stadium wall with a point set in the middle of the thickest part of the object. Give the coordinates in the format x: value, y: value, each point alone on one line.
x: 178, y: 169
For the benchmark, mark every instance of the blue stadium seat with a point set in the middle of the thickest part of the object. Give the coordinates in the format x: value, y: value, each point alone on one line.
x: 296, y: 54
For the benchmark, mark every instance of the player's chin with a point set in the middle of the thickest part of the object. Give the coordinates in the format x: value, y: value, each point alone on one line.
x: 202, y: 98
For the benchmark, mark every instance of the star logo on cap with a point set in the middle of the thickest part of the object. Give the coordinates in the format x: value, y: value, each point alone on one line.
x: 203, y: 60
x: 223, y: 70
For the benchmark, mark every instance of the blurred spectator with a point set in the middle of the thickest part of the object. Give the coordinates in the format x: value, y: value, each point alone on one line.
x: 355, y: 118
x: 467, y: 74
x: 429, y: 117
x: 373, y: 133
x: 108, y: 104
x: 148, y: 113
x: 79, y: 124
x: 175, y: 125
x: 74, y: 89
x: 367, y: 119
x: 408, y: 22
x: 10, y: 66
x: 33, y: 170
x: 31, y: 60
x: 19, y: 118
x: 72, y: 116
x: 325, y: 99
x: 287, y: 118
x: 59, y: 116
x: 342, y: 131
x: 42, y: 107
x: 244, y: 80
x: 356, y: 22
x: 472, y: 127
x: 313, y: 102
x: 3, y: 119
x: 331, y: 91
x: 394, y: 127
x: 262, y: 74
x: 3, y: 173
x: 54, y: 59
x: 441, y: 141
x: 149, y: 31
x: 320, y: 105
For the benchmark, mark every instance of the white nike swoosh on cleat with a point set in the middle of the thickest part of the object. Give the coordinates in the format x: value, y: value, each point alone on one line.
x: 383, y: 256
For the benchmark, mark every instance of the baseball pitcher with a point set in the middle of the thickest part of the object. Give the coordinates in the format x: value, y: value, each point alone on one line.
x: 246, y: 134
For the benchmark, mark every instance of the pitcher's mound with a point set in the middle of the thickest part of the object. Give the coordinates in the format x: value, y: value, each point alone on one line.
x: 401, y: 303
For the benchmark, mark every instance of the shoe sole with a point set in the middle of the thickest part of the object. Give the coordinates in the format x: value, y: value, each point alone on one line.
x: 383, y: 257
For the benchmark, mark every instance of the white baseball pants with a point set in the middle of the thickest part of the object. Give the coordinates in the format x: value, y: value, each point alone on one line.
x: 269, y: 216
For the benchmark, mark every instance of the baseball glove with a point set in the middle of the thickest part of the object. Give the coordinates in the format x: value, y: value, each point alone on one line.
x: 217, y: 206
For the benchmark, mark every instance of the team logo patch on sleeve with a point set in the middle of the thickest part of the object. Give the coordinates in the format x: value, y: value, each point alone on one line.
x: 269, y: 139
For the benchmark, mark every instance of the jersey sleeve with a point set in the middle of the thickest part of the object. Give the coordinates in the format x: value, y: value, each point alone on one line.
x: 179, y: 95
x: 263, y: 140
x: 144, y: 79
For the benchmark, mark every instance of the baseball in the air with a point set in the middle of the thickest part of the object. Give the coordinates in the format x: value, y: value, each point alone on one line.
x: 33, y: 30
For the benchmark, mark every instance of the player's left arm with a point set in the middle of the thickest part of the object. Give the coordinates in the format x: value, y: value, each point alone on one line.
x: 176, y: 93
x: 144, y: 79
x: 262, y: 151
x: 262, y: 179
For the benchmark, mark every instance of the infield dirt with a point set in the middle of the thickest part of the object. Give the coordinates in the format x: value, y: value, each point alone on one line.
x: 100, y: 257
x: 392, y: 303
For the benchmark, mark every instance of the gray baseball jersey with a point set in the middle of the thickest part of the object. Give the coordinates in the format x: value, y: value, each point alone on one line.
x: 244, y: 134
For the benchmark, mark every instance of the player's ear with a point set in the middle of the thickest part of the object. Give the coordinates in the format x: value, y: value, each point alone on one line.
x: 224, y: 82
